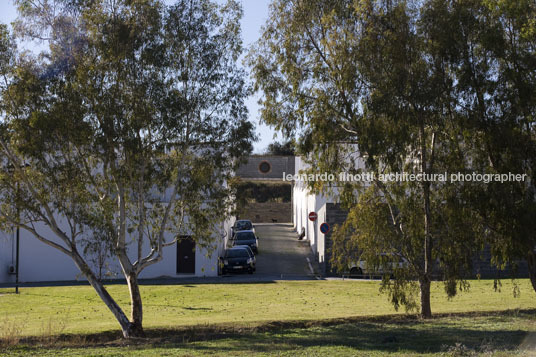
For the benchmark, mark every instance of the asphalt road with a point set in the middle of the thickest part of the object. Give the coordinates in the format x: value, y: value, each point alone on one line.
x: 280, y: 252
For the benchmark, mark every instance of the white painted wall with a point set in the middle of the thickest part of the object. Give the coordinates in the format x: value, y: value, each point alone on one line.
x: 321, y: 246
x: 305, y: 202
x: 40, y: 262
x: 7, y: 254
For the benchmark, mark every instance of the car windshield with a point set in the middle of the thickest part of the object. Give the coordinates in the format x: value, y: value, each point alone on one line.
x: 243, y: 225
x: 247, y: 248
x: 236, y: 253
x: 245, y: 236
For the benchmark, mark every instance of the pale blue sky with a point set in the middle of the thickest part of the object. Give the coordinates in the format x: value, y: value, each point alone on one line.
x: 255, y: 15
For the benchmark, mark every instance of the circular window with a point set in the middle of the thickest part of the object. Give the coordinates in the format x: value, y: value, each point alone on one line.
x: 265, y: 167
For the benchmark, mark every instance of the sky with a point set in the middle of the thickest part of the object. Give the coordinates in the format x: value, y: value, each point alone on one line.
x: 255, y: 15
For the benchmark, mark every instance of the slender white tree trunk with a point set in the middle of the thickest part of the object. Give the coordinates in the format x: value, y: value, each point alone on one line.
x: 126, y: 325
x: 136, y: 324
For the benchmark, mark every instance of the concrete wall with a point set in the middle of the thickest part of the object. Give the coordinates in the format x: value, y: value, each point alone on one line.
x: 278, y: 166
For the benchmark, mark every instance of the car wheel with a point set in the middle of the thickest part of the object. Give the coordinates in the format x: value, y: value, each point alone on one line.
x: 355, y: 271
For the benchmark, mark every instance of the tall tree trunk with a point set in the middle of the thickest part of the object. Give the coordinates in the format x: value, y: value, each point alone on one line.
x: 126, y: 325
x: 136, y: 325
x: 531, y: 262
x: 426, y: 167
x: 426, y: 309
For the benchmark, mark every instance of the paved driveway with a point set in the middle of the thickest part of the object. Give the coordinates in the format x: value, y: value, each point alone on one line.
x: 280, y: 252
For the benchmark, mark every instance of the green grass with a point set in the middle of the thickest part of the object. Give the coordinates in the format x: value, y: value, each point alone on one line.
x: 286, y: 318
x: 486, y: 334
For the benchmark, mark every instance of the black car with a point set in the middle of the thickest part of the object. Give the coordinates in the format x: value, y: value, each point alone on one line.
x: 245, y: 238
x: 242, y: 225
x: 237, y: 260
x: 251, y: 254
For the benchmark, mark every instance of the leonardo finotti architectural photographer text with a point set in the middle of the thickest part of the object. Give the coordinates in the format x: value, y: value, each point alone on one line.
x: 406, y: 176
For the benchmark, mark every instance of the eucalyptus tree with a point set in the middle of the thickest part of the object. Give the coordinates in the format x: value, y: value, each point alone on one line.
x: 510, y: 131
x: 363, y: 78
x: 491, y: 50
x: 123, y: 130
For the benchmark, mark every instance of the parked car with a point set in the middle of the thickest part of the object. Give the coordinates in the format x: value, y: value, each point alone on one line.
x: 242, y: 225
x: 360, y: 268
x: 237, y: 259
x: 251, y: 254
x: 245, y: 238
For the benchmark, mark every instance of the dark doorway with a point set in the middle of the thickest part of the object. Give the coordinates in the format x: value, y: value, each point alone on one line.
x: 185, y: 255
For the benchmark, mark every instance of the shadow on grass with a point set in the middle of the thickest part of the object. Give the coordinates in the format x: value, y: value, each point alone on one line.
x: 368, y: 337
x: 8, y: 293
x: 379, y: 333
x: 186, y: 282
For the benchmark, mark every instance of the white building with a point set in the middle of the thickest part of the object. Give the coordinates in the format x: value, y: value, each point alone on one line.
x: 327, y: 209
x: 39, y: 262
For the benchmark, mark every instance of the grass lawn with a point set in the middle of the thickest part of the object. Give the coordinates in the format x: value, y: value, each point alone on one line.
x: 281, y: 318
x: 502, y: 334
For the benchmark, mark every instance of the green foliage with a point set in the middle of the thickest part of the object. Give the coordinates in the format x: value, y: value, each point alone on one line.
x: 503, y: 114
x: 249, y: 191
x: 284, y: 149
x: 386, y: 233
x: 128, y: 124
x: 263, y: 191
x: 137, y: 98
x: 421, y: 87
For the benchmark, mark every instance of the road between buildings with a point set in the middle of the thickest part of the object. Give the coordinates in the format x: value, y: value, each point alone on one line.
x: 280, y: 252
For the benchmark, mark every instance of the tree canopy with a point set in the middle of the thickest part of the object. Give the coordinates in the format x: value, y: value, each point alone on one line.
x: 123, y: 130
x: 287, y: 148
x: 422, y: 87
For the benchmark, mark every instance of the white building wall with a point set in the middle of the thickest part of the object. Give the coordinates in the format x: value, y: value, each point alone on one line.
x: 7, y: 254
x: 305, y: 202
x: 321, y: 241
x: 37, y: 261
x: 40, y: 262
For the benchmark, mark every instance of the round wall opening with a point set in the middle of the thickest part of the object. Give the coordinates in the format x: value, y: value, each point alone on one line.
x: 265, y: 167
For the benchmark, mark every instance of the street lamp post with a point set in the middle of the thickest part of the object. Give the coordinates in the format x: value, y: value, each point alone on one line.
x: 17, y: 244
x: 11, y: 169
x: 17, y: 252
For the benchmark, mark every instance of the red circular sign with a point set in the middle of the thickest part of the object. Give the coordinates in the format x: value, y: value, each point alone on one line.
x: 313, y: 216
